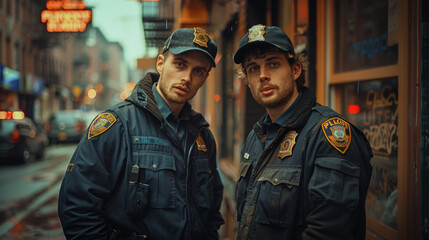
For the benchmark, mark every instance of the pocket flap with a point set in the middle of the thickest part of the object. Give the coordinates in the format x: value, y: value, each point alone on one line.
x: 339, y: 164
x: 244, y: 167
x: 281, y: 175
x: 157, y: 161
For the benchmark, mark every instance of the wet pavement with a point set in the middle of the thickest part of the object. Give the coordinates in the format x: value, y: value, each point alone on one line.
x: 43, y: 223
x: 29, y: 196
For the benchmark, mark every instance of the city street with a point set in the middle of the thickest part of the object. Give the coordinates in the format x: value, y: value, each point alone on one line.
x: 29, y: 195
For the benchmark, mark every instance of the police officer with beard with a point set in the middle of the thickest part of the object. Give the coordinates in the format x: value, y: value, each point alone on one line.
x: 147, y: 167
x: 305, y: 169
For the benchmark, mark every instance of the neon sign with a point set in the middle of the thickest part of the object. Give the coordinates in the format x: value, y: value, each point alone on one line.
x: 65, y: 4
x: 66, y: 16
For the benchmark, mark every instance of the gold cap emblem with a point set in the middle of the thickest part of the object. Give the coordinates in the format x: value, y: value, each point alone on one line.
x: 201, y: 37
x: 256, y: 33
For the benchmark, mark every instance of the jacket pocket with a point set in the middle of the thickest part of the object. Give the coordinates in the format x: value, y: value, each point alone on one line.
x: 278, y: 201
x: 240, y: 188
x: 203, y: 189
x: 137, y: 199
x: 335, y: 180
x: 159, y: 171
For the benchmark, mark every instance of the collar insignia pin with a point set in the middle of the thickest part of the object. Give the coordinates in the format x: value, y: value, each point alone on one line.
x: 200, y: 144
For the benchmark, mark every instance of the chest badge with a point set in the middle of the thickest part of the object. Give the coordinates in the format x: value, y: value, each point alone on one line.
x: 337, y: 132
x: 287, y: 145
x: 200, y: 144
x: 103, y: 122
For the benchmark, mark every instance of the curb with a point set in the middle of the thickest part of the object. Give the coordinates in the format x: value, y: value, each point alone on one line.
x: 13, y: 214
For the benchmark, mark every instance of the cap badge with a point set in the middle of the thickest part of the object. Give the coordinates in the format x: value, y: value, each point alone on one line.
x: 201, y: 37
x: 337, y: 132
x: 287, y: 145
x: 256, y: 33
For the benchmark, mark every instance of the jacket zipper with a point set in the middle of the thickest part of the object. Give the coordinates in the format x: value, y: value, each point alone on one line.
x: 187, y: 178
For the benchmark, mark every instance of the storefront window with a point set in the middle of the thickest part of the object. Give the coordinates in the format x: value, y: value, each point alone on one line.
x: 301, y: 25
x: 366, y: 34
x: 373, y: 107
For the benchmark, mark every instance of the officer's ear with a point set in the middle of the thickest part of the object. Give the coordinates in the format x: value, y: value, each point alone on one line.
x: 160, y: 61
x: 296, y: 70
x: 242, y: 74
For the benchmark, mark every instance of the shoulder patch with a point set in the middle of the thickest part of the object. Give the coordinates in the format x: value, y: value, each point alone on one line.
x: 103, y: 122
x: 337, y: 132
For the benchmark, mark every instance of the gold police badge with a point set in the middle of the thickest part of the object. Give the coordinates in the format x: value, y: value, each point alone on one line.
x: 103, y: 122
x: 201, y: 37
x: 256, y: 33
x: 200, y: 144
x: 287, y: 145
x: 337, y: 132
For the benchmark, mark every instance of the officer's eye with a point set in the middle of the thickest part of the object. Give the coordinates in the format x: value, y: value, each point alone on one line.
x: 274, y: 64
x: 200, y: 72
x: 252, y: 68
x: 179, y: 64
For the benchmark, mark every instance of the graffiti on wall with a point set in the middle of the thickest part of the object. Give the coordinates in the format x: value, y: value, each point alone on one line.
x: 378, y: 119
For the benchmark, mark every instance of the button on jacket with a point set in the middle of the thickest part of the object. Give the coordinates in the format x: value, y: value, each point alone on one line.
x: 313, y: 192
x: 137, y: 177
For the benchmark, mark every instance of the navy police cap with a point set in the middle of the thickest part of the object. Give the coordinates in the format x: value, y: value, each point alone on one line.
x: 260, y: 34
x: 187, y: 39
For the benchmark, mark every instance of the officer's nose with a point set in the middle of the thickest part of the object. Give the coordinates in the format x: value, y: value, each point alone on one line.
x: 264, y: 74
x: 186, y: 77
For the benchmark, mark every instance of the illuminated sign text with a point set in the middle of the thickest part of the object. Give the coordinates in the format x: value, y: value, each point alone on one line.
x: 66, y: 16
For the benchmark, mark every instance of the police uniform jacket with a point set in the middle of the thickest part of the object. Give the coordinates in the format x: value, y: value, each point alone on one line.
x: 132, y: 175
x: 310, y: 182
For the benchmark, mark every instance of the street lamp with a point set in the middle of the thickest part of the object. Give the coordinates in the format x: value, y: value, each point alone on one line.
x: 92, y: 93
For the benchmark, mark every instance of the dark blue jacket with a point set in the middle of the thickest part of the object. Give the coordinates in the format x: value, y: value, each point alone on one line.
x: 132, y: 175
x: 309, y: 183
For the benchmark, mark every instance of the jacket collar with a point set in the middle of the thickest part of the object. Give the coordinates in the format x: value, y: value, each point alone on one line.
x: 142, y: 96
x: 299, y: 116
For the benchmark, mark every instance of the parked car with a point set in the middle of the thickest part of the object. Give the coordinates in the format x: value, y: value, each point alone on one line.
x: 20, y: 137
x: 66, y: 126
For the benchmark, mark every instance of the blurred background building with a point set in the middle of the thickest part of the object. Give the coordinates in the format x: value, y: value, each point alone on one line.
x: 367, y: 59
x: 42, y: 72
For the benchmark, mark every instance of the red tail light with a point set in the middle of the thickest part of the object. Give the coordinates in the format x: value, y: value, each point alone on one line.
x: 16, y: 115
x: 4, y: 115
x: 78, y: 127
x: 47, y: 127
x: 15, y: 136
